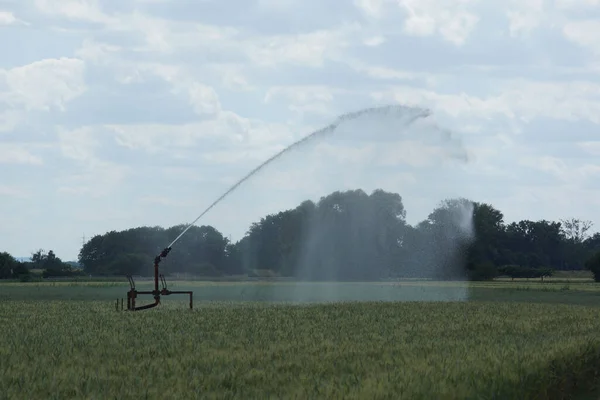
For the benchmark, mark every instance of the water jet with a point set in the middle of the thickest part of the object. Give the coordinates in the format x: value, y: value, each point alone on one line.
x: 413, y: 113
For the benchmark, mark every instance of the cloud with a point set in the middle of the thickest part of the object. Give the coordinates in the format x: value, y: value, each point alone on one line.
x: 228, y: 130
x: 141, y: 112
x: 573, y: 4
x: 43, y: 84
x: 309, y: 49
x: 86, y: 10
x: 96, y: 52
x: 204, y: 99
x: 93, y: 175
x: 513, y: 99
x: 79, y: 144
x: 9, y: 119
x: 7, y: 18
x: 232, y: 77
x: 591, y: 147
x: 524, y: 16
x: 304, y: 99
x: 11, y: 191
x: 373, y: 8
x: 454, y: 22
x: 17, y: 154
x: 585, y: 33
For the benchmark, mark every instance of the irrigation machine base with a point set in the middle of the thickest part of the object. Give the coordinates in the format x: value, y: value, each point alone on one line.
x: 133, y: 293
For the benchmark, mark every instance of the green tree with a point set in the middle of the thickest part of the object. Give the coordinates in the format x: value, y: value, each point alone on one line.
x: 131, y: 264
x: 450, y: 231
x: 8, y: 264
x: 482, y: 272
x: 488, y: 246
x: 346, y: 235
x: 593, y: 264
x: 575, y: 229
x: 52, y: 265
x: 576, y: 233
x: 352, y: 235
x: 38, y: 258
x: 128, y: 251
x: 535, y: 244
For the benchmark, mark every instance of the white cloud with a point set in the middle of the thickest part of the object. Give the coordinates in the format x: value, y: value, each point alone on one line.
x: 304, y: 99
x: 514, y: 99
x: 276, y: 4
x: 93, y: 175
x: 591, y: 147
x: 159, y: 34
x: 44, y: 84
x: 454, y: 22
x: 165, y: 201
x: 373, y: 8
x: 98, y: 179
x: 549, y: 164
x: 380, y: 72
x: 165, y: 109
x: 158, y: 138
x: 374, y: 41
x: 9, y: 119
x: 308, y: 49
x: 239, y: 134
x: 13, y: 191
x: 7, y: 18
x: 524, y: 16
x: 570, y: 175
x: 87, y: 10
x: 17, y: 154
x: 96, y: 52
x: 585, y: 33
x: 204, y: 99
x: 79, y: 144
x: 576, y: 4
x: 233, y: 77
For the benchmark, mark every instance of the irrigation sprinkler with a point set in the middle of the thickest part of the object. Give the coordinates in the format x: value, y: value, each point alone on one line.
x: 164, y: 291
x: 411, y: 112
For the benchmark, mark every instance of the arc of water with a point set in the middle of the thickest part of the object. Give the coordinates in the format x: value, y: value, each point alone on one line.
x: 416, y: 113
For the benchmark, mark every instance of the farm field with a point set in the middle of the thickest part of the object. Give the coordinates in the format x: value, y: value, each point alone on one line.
x: 403, y: 340
x: 583, y: 292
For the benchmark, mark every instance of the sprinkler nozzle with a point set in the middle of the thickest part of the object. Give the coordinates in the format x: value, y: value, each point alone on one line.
x: 165, y: 252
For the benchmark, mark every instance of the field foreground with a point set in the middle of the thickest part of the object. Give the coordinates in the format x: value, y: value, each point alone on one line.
x: 411, y: 350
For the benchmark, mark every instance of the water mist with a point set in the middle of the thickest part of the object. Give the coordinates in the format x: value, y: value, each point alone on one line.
x: 385, y: 137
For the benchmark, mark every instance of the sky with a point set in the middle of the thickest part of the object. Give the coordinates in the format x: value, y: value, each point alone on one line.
x: 123, y: 113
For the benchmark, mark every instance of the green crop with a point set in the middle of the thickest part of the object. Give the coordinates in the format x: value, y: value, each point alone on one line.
x: 370, y: 350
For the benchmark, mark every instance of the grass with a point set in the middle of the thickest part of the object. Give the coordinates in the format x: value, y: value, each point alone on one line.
x: 583, y: 293
x: 508, y: 341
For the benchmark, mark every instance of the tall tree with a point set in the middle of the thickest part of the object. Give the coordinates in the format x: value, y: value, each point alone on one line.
x: 451, y: 232
x: 575, y: 229
x: 350, y: 235
x: 489, y: 230
x: 8, y: 264
x: 576, y: 232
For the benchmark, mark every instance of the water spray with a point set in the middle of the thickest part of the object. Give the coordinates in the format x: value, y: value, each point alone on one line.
x: 414, y: 113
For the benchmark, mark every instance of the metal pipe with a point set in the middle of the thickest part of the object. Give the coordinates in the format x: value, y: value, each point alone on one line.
x: 156, y: 261
x: 132, y: 294
x: 147, y: 306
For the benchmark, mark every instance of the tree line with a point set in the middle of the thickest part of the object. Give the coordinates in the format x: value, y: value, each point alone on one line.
x: 352, y: 235
x: 47, y: 262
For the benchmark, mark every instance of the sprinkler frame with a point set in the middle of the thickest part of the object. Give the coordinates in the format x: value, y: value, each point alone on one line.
x: 133, y: 292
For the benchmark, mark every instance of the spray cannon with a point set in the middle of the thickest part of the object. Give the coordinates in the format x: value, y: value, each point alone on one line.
x: 164, y: 291
x: 413, y: 113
